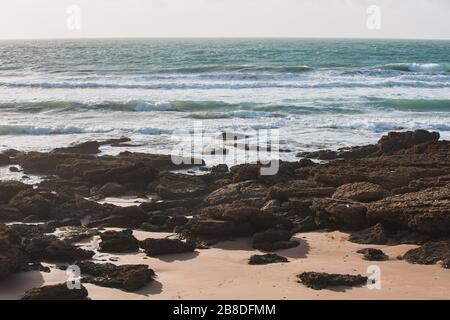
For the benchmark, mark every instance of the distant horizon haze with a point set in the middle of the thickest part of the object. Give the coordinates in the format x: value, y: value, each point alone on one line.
x: 118, y: 19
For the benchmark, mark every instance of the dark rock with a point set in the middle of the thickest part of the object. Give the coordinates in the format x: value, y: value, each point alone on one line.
x: 156, y: 247
x: 429, y: 253
x: 266, y: 259
x: 305, y: 225
x: 174, y: 186
x: 255, y: 217
x: 12, y: 258
x: 50, y: 248
x: 118, y: 241
x: 424, y: 211
x: 376, y: 234
x: 14, y: 169
x: 360, y: 191
x: 30, y: 231
x: 217, y: 229
x: 4, y: 160
x: 111, y: 189
x: 8, y: 189
x: 30, y: 202
x: 340, y: 214
x: 131, y: 212
x: 272, y: 240
x: 322, y: 280
x: 394, y: 141
x: 9, y: 214
x: 90, y: 147
x: 56, y: 292
x: 372, y: 254
x: 127, y: 277
x: 246, y: 172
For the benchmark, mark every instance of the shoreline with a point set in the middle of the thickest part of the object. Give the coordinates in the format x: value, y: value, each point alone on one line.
x: 393, y: 196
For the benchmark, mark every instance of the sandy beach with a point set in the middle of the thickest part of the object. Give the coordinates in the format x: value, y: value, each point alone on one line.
x: 223, y: 272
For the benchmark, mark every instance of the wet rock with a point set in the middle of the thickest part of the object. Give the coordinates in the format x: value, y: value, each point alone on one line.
x: 298, y: 189
x: 372, y: 254
x: 174, y: 186
x: 8, y: 189
x: 30, y: 202
x: 429, y: 253
x: 305, y: 225
x: 236, y: 191
x: 321, y: 155
x: 127, y: 277
x: 340, y: 214
x: 266, y: 259
x: 118, y: 241
x: 246, y: 172
x: 30, y: 231
x: 138, y: 175
x: 14, y: 169
x: 394, y: 141
x: 258, y: 219
x: 272, y: 240
x: 217, y: 229
x: 322, y: 280
x: 156, y: 247
x: 12, y: 258
x: 4, y: 160
x: 50, y: 248
x: 56, y: 292
x: 111, y: 189
x: 360, y: 191
x: 376, y: 234
x: 89, y: 147
x: 9, y: 214
x: 74, y: 234
x: 131, y: 212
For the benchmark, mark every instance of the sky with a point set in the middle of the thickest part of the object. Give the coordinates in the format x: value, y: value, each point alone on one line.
x: 29, y: 19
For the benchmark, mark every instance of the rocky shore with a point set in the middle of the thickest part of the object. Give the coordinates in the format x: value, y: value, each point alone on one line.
x: 391, y: 193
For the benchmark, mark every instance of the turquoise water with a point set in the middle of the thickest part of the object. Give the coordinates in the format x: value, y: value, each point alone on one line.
x: 319, y: 93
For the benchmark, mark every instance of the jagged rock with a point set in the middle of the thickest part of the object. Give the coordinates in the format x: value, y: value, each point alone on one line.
x: 30, y: 231
x: 9, y: 214
x: 266, y: 259
x: 30, y: 202
x: 360, y: 191
x: 89, y: 147
x: 258, y: 219
x: 322, y: 280
x: 376, y: 234
x: 11, y: 256
x: 372, y: 254
x: 56, y: 292
x: 429, y: 253
x: 426, y: 211
x: 394, y: 141
x: 8, y: 189
x: 272, y: 240
x: 73, y: 234
x: 138, y: 175
x: 131, y: 212
x: 170, y: 204
x: 118, y: 241
x: 305, y: 225
x: 217, y: 229
x: 340, y: 214
x: 298, y: 189
x: 50, y: 248
x: 174, y: 186
x: 236, y: 191
x: 246, y: 172
x: 127, y: 277
x: 111, y: 189
x: 4, y: 160
x: 156, y: 247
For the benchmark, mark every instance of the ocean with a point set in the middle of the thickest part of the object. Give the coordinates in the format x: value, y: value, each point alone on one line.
x: 319, y: 93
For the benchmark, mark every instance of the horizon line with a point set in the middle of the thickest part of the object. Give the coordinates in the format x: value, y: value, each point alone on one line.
x: 218, y: 37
